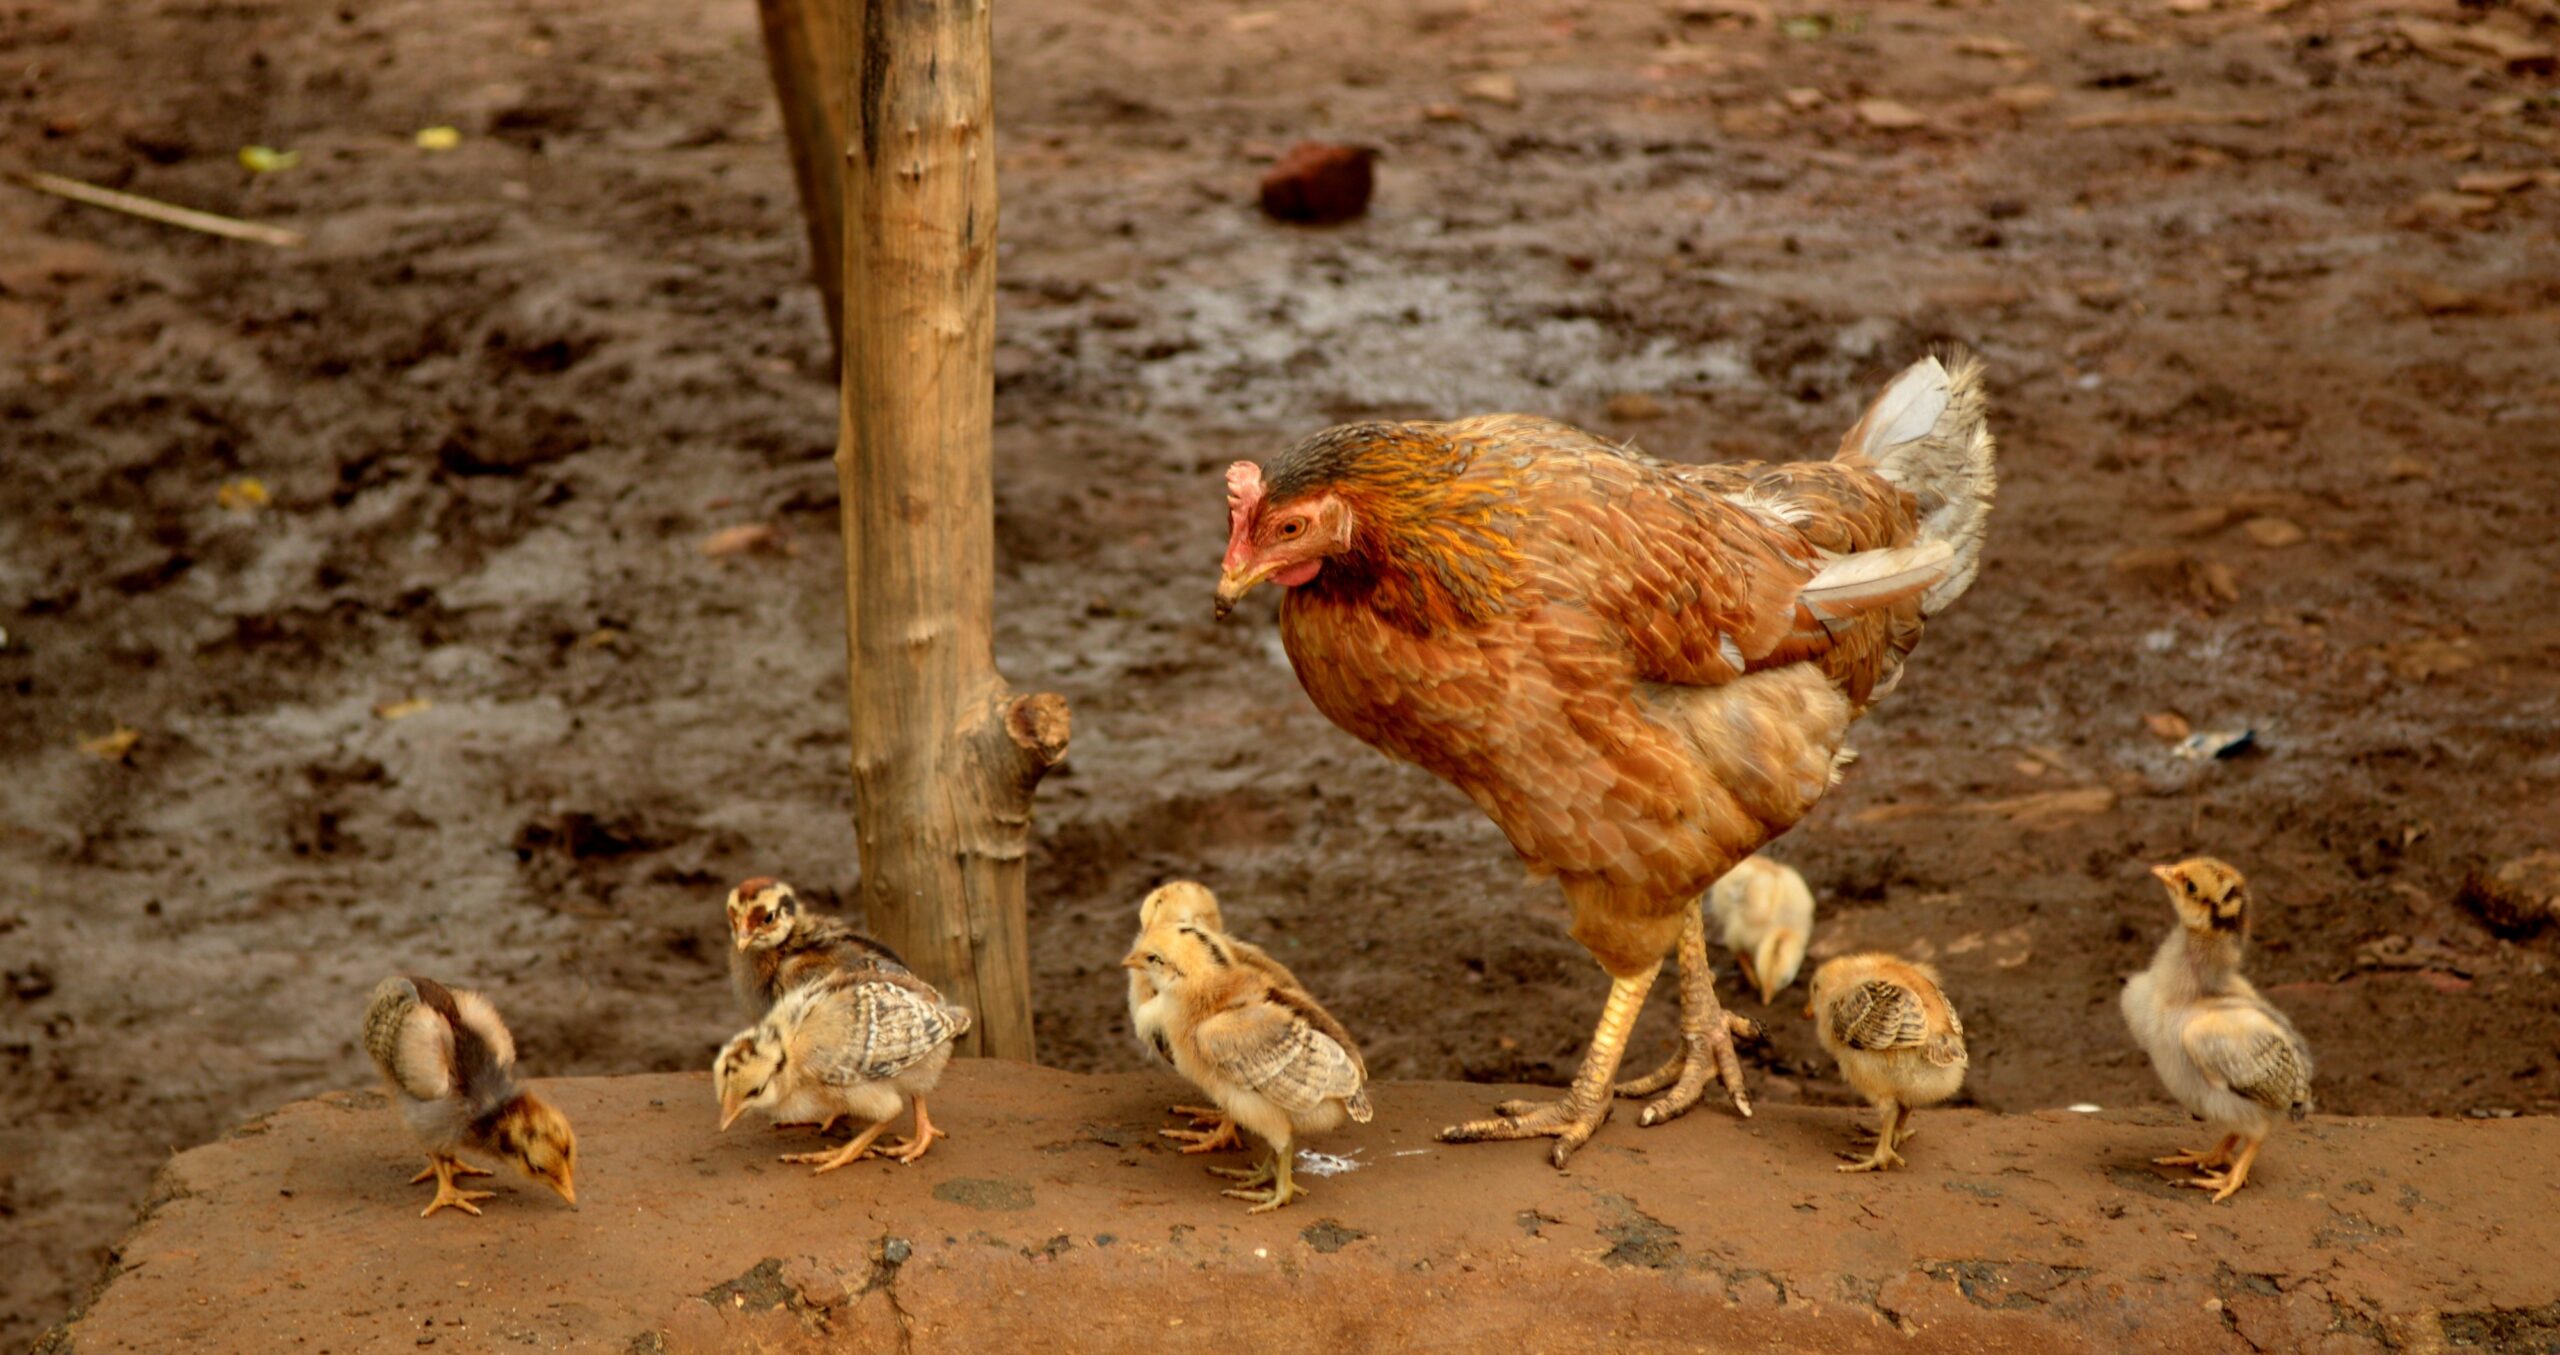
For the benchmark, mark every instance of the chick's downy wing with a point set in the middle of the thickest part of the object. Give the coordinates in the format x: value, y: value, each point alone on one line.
x: 880, y: 1029
x: 2242, y: 1047
x: 1879, y: 1015
x: 409, y: 1041
x: 1268, y: 1048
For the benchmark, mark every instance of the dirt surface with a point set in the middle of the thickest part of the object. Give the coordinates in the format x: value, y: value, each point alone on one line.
x: 2241, y: 277
x: 1053, y: 1216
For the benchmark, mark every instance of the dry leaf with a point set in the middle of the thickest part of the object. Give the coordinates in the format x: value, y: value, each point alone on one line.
x: 1889, y: 116
x: 2496, y: 181
x: 402, y: 710
x: 267, y: 159
x: 1496, y: 88
x: 1983, y: 44
x: 1634, y: 407
x: 2167, y: 725
x: 2274, y: 533
x: 746, y: 536
x: 246, y: 494
x: 2048, y: 809
x: 438, y: 138
x: 112, y: 747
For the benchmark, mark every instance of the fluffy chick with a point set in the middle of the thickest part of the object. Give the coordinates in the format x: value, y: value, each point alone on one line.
x: 1896, y: 1039
x: 1767, y: 916
x: 450, y: 1065
x: 1272, y: 1059
x: 2227, y: 1054
x: 777, y: 944
x: 863, y: 1043
x: 1165, y: 907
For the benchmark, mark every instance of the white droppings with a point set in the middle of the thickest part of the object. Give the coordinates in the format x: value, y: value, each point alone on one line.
x: 1411, y: 1152
x: 2082, y: 1108
x: 1326, y: 1164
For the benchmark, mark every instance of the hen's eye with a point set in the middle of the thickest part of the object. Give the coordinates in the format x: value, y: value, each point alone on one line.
x: 1292, y: 527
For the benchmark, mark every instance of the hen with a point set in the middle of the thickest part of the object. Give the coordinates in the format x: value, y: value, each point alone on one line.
x: 1642, y: 672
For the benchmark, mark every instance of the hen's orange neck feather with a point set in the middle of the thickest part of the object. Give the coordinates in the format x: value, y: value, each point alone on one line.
x: 1429, y: 550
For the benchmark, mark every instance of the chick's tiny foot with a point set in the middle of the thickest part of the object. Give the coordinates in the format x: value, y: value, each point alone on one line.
x: 459, y: 1168
x: 1275, y: 1171
x: 2217, y: 1156
x: 1201, y: 1117
x: 1252, y: 1176
x: 854, y: 1151
x: 821, y: 1126
x: 1206, y: 1140
x: 1878, y: 1160
x: 448, y: 1195
x: 913, y: 1146
x: 2226, y: 1183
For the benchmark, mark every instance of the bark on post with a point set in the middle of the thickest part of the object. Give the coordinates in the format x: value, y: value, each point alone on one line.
x: 945, y: 756
x: 808, y: 84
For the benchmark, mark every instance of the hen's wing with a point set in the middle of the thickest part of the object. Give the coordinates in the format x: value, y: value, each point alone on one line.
x: 1268, y: 1047
x: 2239, y: 1046
x: 883, y: 1027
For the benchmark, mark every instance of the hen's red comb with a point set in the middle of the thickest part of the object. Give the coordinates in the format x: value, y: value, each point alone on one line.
x: 1244, y: 504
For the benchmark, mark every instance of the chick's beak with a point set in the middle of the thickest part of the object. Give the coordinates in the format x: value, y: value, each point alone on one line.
x: 2167, y: 875
x: 568, y: 1190
x: 1132, y: 962
x: 729, y: 1113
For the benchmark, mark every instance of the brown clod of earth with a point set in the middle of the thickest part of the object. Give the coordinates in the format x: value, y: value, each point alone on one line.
x: 1319, y: 184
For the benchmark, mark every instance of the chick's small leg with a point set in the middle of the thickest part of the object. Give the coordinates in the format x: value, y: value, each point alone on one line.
x: 1889, y: 1118
x: 1201, y: 1117
x: 821, y: 1126
x: 443, y: 1168
x: 459, y: 1168
x: 1209, y: 1140
x: 1706, y: 1038
x: 2202, y: 1158
x: 2227, y: 1183
x: 1283, y: 1187
x: 1260, y: 1173
x: 913, y: 1146
x: 854, y: 1151
x: 1572, y: 1120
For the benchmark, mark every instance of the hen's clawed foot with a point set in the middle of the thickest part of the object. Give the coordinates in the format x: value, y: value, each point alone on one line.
x: 1585, y: 1107
x: 1707, y: 1033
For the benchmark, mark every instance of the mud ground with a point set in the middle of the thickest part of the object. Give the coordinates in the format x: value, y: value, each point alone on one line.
x: 2272, y: 305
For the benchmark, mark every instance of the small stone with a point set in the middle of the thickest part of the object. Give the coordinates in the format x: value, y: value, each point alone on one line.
x: 1319, y: 184
x: 2274, y: 533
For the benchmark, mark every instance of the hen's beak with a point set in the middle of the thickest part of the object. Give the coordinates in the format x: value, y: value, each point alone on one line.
x: 1235, y: 582
x: 729, y: 1113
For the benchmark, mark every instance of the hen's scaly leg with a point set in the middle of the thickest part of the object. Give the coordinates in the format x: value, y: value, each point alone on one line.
x: 2224, y: 1184
x: 1198, y: 1140
x: 2201, y: 1158
x: 913, y: 1146
x: 444, y: 1170
x: 1571, y: 1121
x: 853, y: 1151
x: 1706, y: 1038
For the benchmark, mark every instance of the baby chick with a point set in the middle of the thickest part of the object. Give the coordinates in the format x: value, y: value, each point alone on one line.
x: 1896, y: 1039
x: 1168, y: 906
x: 2222, y: 1050
x: 1271, y: 1058
x: 451, y: 1066
x: 778, y: 944
x: 1767, y: 916
x: 862, y: 1043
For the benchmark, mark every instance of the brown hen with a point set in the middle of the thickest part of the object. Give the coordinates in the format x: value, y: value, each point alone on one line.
x: 1641, y: 671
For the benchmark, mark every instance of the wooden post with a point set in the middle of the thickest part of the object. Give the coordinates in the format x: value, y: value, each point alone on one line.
x: 801, y: 49
x: 945, y: 756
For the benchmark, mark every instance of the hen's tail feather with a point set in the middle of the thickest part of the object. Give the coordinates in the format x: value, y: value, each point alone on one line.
x: 1929, y: 432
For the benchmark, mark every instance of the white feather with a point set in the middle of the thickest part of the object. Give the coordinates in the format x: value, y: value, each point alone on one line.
x: 1851, y: 580
x: 1908, y: 409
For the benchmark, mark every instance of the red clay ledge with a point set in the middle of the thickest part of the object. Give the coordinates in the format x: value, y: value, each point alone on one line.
x: 1054, y: 1220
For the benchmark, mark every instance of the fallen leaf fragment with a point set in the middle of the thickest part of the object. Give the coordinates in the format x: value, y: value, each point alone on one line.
x: 267, y: 159
x: 745, y: 537
x: 2167, y: 725
x: 2274, y: 533
x: 245, y: 494
x: 438, y: 138
x: 112, y: 747
x: 1496, y: 88
x: 402, y: 710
